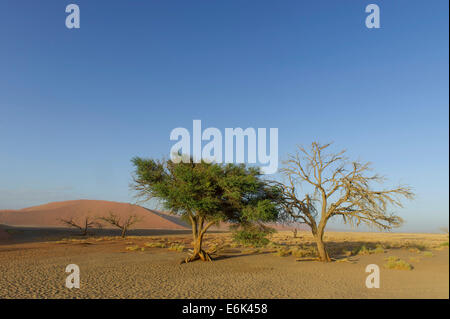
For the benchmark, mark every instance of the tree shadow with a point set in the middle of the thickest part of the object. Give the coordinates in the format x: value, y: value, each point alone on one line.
x: 223, y: 257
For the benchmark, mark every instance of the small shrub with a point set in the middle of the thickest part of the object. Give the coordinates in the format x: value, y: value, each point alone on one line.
x: 428, y: 254
x: 417, y: 247
x: 132, y: 248
x: 347, y: 253
x: 362, y: 251
x: 397, y: 263
x: 304, y: 252
x: 283, y: 252
x: 378, y: 250
x: 445, y: 244
x: 299, y: 253
x: 252, y: 237
x: 155, y: 245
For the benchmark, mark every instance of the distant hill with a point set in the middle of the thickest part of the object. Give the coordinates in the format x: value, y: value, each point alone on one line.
x: 49, y: 215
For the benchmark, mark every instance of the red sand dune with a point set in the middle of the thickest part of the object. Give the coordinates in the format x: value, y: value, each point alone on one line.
x: 50, y: 215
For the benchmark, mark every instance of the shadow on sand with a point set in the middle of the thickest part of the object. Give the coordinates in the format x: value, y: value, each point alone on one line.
x: 26, y: 234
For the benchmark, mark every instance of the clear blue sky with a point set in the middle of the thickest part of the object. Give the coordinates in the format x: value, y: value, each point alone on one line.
x: 77, y: 105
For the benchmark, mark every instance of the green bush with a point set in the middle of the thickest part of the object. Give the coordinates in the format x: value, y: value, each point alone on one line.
x: 252, y: 237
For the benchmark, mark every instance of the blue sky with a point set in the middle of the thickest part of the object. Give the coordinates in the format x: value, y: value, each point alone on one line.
x: 77, y: 105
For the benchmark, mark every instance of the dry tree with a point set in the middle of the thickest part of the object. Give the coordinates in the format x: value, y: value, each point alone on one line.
x: 123, y: 224
x: 334, y: 186
x: 87, y: 223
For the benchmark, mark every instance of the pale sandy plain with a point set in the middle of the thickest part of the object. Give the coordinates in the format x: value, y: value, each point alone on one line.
x: 112, y: 267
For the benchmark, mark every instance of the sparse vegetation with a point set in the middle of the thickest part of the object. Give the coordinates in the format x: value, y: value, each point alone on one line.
x: 363, y: 250
x: 132, y: 248
x: 304, y: 252
x: 283, y: 252
x: 416, y: 247
x: 394, y: 262
x: 155, y: 245
x: 378, y: 250
x: 177, y: 247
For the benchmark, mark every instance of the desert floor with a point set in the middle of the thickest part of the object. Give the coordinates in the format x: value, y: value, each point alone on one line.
x: 135, y: 267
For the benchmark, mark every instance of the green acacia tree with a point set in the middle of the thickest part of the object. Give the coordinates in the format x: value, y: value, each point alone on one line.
x: 207, y: 193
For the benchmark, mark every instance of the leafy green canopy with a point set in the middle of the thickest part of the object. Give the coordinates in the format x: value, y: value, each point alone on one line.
x: 216, y: 192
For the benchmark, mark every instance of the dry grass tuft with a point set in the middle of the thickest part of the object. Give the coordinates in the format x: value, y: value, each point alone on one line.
x: 304, y: 251
x: 132, y: 248
x: 155, y: 245
x: 283, y: 252
x: 394, y: 262
x: 177, y: 247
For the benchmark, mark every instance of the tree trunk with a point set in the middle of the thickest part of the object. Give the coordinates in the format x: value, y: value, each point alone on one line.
x: 198, y: 231
x: 86, y: 227
x: 323, y: 254
x: 124, y: 231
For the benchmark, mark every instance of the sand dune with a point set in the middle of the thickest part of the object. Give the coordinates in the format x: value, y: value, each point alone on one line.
x: 50, y: 215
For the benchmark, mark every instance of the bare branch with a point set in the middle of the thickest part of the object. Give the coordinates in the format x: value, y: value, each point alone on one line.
x: 124, y: 224
x: 87, y: 223
x: 340, y: 188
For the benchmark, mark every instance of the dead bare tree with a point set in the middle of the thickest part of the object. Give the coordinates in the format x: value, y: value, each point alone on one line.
x: 124, y: 225
x: 87, y: 223
x: 337, y: 187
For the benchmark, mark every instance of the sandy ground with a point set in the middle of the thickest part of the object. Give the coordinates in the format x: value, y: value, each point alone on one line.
x: 109, y: 270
